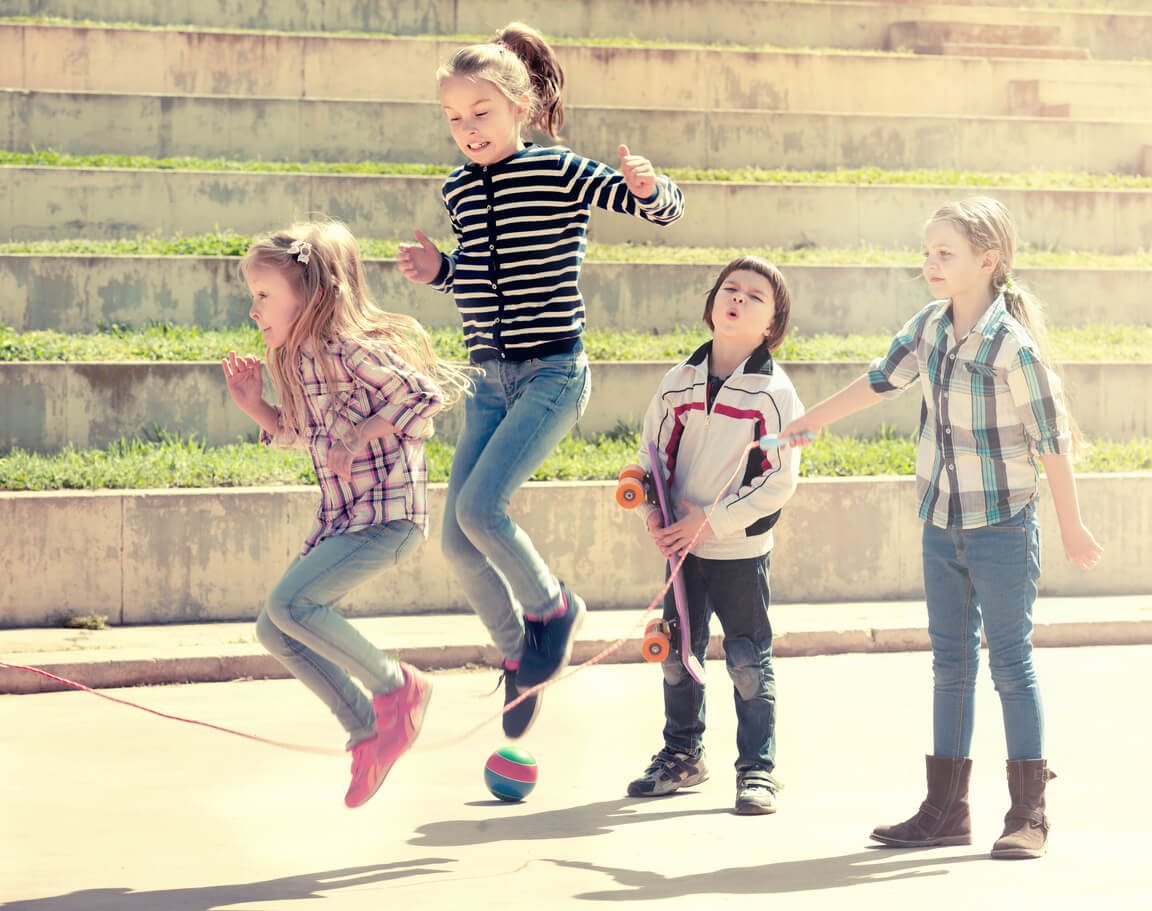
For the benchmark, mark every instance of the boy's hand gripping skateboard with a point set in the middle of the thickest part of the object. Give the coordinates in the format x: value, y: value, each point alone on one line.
x: 660, y: 635
x: 636, y: 486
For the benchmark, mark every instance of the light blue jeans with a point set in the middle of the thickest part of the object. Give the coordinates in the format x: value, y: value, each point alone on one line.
x: 987, y: 575
x: 518, y: 414
x: 315, y: 643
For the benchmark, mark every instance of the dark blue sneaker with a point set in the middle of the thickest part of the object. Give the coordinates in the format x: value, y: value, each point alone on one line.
x: 518, y: 720
x: 549, y: 642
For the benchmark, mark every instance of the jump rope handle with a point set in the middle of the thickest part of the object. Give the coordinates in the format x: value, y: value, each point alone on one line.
x: 771, y: 441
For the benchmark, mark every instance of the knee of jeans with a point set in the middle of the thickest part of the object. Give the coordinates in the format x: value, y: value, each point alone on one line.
x: 952, y: 669
x: 1012, y: 676
x: 746, y: 667
x: 673, y: 669
x: 269, y: 634
x: 283, y: 609
x: 477, y: 512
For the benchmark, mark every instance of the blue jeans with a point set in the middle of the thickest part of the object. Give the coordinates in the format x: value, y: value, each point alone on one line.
x: 518, y: 414
x: 737, y: 591
x: 315, y: 643
x: 985, y: 574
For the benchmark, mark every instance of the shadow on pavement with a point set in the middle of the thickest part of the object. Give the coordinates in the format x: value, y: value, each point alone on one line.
x: 570, y: 822
x: 205, y: 898
x: 820, y: 873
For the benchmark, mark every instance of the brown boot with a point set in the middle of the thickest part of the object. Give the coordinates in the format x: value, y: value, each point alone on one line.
x: 1025, y: 826
x: 943, y: 818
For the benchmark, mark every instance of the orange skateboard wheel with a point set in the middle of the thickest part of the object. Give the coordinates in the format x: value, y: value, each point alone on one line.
x: 656, y: 647
x: 630, y: 490
x: 629, y: 493
x: 657, y: 640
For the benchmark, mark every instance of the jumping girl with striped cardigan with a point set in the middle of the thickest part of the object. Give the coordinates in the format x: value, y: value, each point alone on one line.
x: 520, y: 215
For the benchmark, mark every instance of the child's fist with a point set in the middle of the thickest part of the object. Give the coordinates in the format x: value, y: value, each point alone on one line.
x: 419, y: 262
x: 638, y: 173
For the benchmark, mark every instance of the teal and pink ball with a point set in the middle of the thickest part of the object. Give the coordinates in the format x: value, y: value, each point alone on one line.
x: 510, y: 773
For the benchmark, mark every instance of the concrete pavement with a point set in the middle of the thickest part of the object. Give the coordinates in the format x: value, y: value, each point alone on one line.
x: 179, y: 653
x: 108, y: 809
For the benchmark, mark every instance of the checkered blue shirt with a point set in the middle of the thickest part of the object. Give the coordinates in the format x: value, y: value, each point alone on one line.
x: 390, y: 480
x: 990, y: 407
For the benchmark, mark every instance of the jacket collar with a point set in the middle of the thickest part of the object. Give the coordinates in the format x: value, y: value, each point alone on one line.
x: 759, y: 361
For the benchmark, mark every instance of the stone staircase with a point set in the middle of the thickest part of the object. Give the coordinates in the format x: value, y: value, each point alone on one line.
x: 208, y: 86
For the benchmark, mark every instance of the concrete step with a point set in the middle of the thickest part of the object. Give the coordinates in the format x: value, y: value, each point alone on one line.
x: 192, y: 556
x: 1020, y: 51
x: 79, y: 293
x: 303, y: 129
x: 50, y: 404
x: 1120, y: 32
x: 1079, y: 99
x: 105, y: 203
x: 914, y: 32
x: 1102, y: 7
x: 120, y: 656
x: 65, y: 58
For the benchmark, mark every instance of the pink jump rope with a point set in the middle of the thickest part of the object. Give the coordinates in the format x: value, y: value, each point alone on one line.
x: 766, y: 442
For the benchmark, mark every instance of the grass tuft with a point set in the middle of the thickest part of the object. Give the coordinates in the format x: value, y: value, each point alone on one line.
x: 169, y: 461
x: 160, y: 341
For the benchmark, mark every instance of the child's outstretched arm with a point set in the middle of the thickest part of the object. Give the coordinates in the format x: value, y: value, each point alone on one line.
x: 852, y: 398
x: 636, y: 189
x: 1080, y: 546
x: 246, y: 385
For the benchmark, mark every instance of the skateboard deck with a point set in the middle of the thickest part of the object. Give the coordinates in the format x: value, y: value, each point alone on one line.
x: 635, y: 486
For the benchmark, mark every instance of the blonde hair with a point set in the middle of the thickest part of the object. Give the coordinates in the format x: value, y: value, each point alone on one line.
x: 519, y: 62
x: 986, y: 224
x: 329, y: 277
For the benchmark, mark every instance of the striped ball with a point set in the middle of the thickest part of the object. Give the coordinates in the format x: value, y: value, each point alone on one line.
x: 510, y: 773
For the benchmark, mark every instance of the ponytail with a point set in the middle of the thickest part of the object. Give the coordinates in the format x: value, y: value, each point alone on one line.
x: 519, y: 62
x: 544, y: 71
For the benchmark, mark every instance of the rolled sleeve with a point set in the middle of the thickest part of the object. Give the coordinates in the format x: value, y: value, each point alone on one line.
x: 1038, y: 396
x: 899, y: 368
x: 400, y: 395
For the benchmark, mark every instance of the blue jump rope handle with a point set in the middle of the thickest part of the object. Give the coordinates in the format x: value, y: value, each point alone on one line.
x: 771, y: 441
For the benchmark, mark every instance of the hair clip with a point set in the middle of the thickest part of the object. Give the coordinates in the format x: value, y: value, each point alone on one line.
x: 302, y: 250
x: 499, y: 42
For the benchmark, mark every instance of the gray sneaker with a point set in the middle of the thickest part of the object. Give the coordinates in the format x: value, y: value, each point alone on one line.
x: 756, y: 792
x: 669, y: 772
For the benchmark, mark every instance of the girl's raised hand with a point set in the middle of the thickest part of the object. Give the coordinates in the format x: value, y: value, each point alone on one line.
x: 638, y: 174
x: 419, y: 262
x: 245, y: 382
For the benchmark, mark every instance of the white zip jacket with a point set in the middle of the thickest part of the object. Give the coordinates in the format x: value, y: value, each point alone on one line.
x: 703, y: 452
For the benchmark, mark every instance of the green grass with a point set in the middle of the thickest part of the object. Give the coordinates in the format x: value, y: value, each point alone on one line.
x: 560, y: 41
x: 165, y: 342
x: 846, y: 176
x: 170, y: 462
x: 229, y: 243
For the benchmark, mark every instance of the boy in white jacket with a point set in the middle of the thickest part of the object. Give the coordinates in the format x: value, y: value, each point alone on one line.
x: 708, y: 409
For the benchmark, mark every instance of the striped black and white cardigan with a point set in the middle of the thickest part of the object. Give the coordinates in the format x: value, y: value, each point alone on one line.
x: 521, y: 225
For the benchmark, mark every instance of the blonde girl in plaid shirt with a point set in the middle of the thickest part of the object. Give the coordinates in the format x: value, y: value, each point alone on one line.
x: 358, y: 388
x: 992, y: 406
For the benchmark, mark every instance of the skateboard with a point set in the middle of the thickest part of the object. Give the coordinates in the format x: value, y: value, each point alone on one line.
x: 660, y: 636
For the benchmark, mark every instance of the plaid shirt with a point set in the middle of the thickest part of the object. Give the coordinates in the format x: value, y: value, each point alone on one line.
x: 990, y: 407
x: 390, y: 480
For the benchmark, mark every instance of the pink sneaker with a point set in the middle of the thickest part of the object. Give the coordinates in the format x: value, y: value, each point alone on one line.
x: 367, y: 775
x: 399, y: 716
